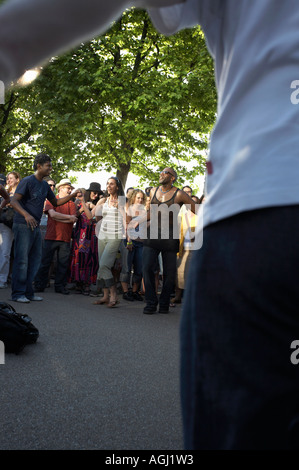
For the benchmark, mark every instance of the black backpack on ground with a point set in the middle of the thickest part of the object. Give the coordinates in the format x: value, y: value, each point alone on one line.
x: 16, y: 329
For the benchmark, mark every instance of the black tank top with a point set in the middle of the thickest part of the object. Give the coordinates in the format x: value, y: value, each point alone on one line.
x: 163, y: 222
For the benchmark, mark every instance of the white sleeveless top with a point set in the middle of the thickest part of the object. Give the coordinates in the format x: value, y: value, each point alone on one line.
x: 111, y: 226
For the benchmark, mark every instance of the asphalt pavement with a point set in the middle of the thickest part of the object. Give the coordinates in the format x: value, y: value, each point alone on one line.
x: 97, y: 378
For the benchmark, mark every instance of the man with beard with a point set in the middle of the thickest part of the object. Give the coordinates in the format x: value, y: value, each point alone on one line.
x: 163, y: 237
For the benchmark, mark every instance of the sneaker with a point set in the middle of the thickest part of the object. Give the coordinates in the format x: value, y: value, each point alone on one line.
x: 3, y: 285
x: 62, y: 290
x: 163, y: 309
x: 22, y: 299
x: 149, y: 309
x: 128, y: 296
x: 137, y: 296
x: 35, y: 298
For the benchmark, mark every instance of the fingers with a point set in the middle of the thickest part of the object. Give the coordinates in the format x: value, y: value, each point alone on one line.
x: 31, y: 223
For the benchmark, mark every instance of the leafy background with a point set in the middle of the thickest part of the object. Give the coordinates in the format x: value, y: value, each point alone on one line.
x: 129, y: 101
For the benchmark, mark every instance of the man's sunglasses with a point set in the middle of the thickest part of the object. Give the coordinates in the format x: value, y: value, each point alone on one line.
x: 166, y: 173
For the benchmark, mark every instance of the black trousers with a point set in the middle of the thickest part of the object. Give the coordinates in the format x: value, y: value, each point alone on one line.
x: 63, y: 258
x: 149, y: 261
x: 239, y: 386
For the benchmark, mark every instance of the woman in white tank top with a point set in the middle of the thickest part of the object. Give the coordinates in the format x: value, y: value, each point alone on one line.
x: 110, y: 215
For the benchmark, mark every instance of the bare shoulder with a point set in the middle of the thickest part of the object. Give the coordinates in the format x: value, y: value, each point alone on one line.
x: 179, y: 193
x: 101, y: 201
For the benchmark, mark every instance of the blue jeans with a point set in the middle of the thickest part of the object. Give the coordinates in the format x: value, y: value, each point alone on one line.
x: 27, y: 256
x: 239, y: 388
x: 135, y: 260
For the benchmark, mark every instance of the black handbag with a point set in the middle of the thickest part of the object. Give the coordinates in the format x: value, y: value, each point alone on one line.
x: 16, y: 329
x: 6, y: 216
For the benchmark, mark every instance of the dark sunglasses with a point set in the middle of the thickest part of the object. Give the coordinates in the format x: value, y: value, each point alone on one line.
x: 166, y: 172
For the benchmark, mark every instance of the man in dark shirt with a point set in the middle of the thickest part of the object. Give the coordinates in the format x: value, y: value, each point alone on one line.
x: 28, y: 201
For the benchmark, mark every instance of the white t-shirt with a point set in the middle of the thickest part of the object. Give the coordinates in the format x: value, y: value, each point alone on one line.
x: 254, y: 150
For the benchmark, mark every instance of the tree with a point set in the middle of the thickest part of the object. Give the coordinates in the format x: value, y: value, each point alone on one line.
x: 130, y: 100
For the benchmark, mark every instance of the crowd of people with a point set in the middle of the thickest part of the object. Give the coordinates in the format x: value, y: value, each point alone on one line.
x: 99, y: 243
x: 239, y: 389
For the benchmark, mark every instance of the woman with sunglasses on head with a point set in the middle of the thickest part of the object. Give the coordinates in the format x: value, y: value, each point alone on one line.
x: 110, y: 215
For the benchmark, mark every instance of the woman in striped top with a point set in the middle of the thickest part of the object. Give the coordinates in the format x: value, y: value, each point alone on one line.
x: 110, y: 230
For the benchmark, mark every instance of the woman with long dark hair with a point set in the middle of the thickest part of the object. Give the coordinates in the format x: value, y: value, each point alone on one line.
x: 84, y: 252
x: 110, y: 215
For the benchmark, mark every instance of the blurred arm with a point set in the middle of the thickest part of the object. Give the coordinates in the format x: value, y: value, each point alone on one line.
x: 32, y: 31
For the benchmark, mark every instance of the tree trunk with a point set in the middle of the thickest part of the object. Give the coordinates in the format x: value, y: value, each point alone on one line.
x: 3, y: 161
x: 122, y: 172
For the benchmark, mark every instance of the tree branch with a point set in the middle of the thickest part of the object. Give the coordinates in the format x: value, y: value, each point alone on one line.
x: 139, y: 57
x: 22, y: 140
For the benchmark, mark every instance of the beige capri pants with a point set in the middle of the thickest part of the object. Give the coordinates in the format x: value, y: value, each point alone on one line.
x: 107, y: 250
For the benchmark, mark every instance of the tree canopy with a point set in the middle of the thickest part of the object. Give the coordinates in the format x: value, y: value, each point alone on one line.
x: 129, y: 100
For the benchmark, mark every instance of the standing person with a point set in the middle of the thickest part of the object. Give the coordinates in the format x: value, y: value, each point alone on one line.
x: 110, y: 214
x: 242, y: 295
x: 57, y: 240
x: 124, y: 277
x: 6, y: 233
x: 28, y: 202
x: 134, y: 245
x: 12, y: 180
x: 184, y: 255
x: 239, y: 386
x: 44, y: 220
x: 84, y: 252
x: 169, y: 200
x: 3, y: 193
x: 4, y: 236
x: 187, y: 190
x: 93, y: 194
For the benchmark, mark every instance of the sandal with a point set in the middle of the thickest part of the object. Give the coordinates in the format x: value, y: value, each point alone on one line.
x: 112, y: 303
x: 176, y: 301
x: 100, y: 302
